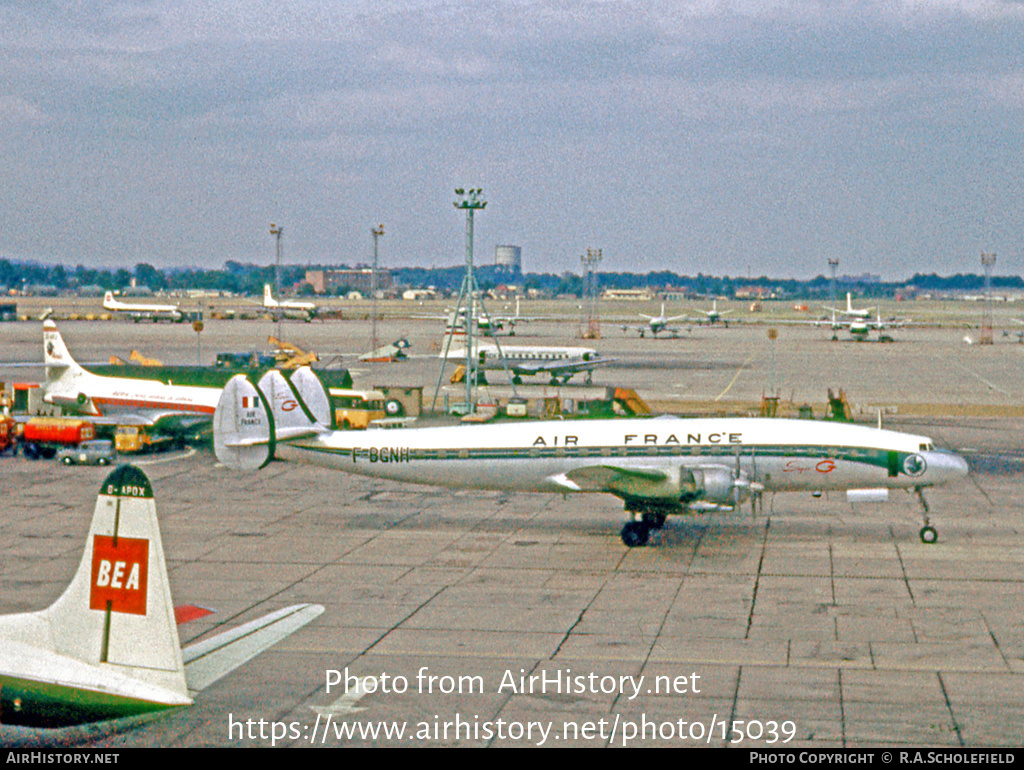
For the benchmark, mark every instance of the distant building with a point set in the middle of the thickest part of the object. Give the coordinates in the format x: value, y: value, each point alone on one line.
x: 640, y: 295
x: 329, y: 281
x: 508, y: 259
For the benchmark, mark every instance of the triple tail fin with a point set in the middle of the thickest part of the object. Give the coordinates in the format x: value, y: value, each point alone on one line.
x: 250, y: 419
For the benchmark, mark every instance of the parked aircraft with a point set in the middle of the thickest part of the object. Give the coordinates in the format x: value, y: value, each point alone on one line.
x: 861, y: 328
x: 558, y: 363
x: 108, y: 648
x: 121, y: 400
x: 489, y: 325
x: 141, y: 311
x: 656, y: 324
x: 657, y: 467
x: 714, y: 315
x: 288, y: 307
x: 851, y: 311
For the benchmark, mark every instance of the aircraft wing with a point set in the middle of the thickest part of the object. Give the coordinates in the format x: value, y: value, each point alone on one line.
x: 209, y: 660
x: 163, y: 420
x: 649, y: 482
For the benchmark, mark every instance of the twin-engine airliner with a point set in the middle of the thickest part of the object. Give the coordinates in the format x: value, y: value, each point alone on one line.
x: 657, y: 467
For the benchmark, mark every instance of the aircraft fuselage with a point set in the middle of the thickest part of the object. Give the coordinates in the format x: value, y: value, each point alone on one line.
x: 532, y: 457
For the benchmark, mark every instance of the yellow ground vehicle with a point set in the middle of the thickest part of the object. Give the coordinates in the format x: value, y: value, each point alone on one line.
x: 135, y: 438
x: 355, y: 409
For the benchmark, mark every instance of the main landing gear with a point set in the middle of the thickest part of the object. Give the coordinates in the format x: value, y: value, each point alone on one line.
x: 645, y: 517
x: 928, y: 534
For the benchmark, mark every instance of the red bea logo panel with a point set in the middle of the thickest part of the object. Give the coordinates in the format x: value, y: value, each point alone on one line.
x: 119, y: 574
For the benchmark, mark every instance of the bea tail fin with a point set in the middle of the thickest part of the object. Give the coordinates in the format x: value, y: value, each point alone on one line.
x: 117, y: 609
x: 108, y: 647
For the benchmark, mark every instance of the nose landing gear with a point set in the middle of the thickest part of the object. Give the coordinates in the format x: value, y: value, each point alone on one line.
x: 928, y: 534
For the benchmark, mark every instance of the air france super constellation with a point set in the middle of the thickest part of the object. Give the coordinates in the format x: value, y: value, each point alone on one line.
x: 108, y: 648
x: 121, y: 400
x: 658, y: 467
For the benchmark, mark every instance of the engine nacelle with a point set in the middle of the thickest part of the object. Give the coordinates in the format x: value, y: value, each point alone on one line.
x: 720, y: 485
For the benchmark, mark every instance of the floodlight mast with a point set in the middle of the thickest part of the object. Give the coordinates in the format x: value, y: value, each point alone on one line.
x: 470, y: 201
x: 277, y: 231
x: 377, y: 233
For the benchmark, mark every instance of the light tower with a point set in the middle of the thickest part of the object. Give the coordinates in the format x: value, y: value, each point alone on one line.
x: 377, y: 233
x: 277, y: 232
x: 988, y: 261
x: 833, y: 266
x: 591, y: 260
x: 469, y: 201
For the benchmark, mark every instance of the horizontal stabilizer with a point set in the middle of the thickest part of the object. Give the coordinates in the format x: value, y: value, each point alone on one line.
x: 209, y: 660
x: 243, y: 429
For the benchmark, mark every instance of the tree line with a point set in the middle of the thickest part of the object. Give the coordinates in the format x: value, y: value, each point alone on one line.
x: 239, y: 278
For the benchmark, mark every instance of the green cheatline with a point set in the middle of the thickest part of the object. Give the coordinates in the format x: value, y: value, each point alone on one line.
x: 208, y: 376
x: 43, y: 704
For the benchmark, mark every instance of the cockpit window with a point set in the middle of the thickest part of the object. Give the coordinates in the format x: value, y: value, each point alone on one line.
x: 927, y: 447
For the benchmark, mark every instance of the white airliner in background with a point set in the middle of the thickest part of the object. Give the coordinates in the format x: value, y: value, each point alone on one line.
x: 289, y: 307
x: 658, y: 467
x: 142, y: 311
x: 657, y: 324
x: 108, y: 648
x: 851, y: 311
x: 861, y: 327
x: 121, y: 400
x: 714, y: 315
x: 558, y: 363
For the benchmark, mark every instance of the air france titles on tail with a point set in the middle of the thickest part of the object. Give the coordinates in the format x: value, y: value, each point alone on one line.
x: 658, y: 467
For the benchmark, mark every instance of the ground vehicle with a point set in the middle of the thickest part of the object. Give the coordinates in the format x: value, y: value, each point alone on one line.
x: 357, y: 408
x: 138, y: 438
x: 100, y: 452
x: 7, y: 436
x: 43, y: 436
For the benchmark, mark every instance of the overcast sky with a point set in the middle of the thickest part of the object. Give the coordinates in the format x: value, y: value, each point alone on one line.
x: 719, y: 137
